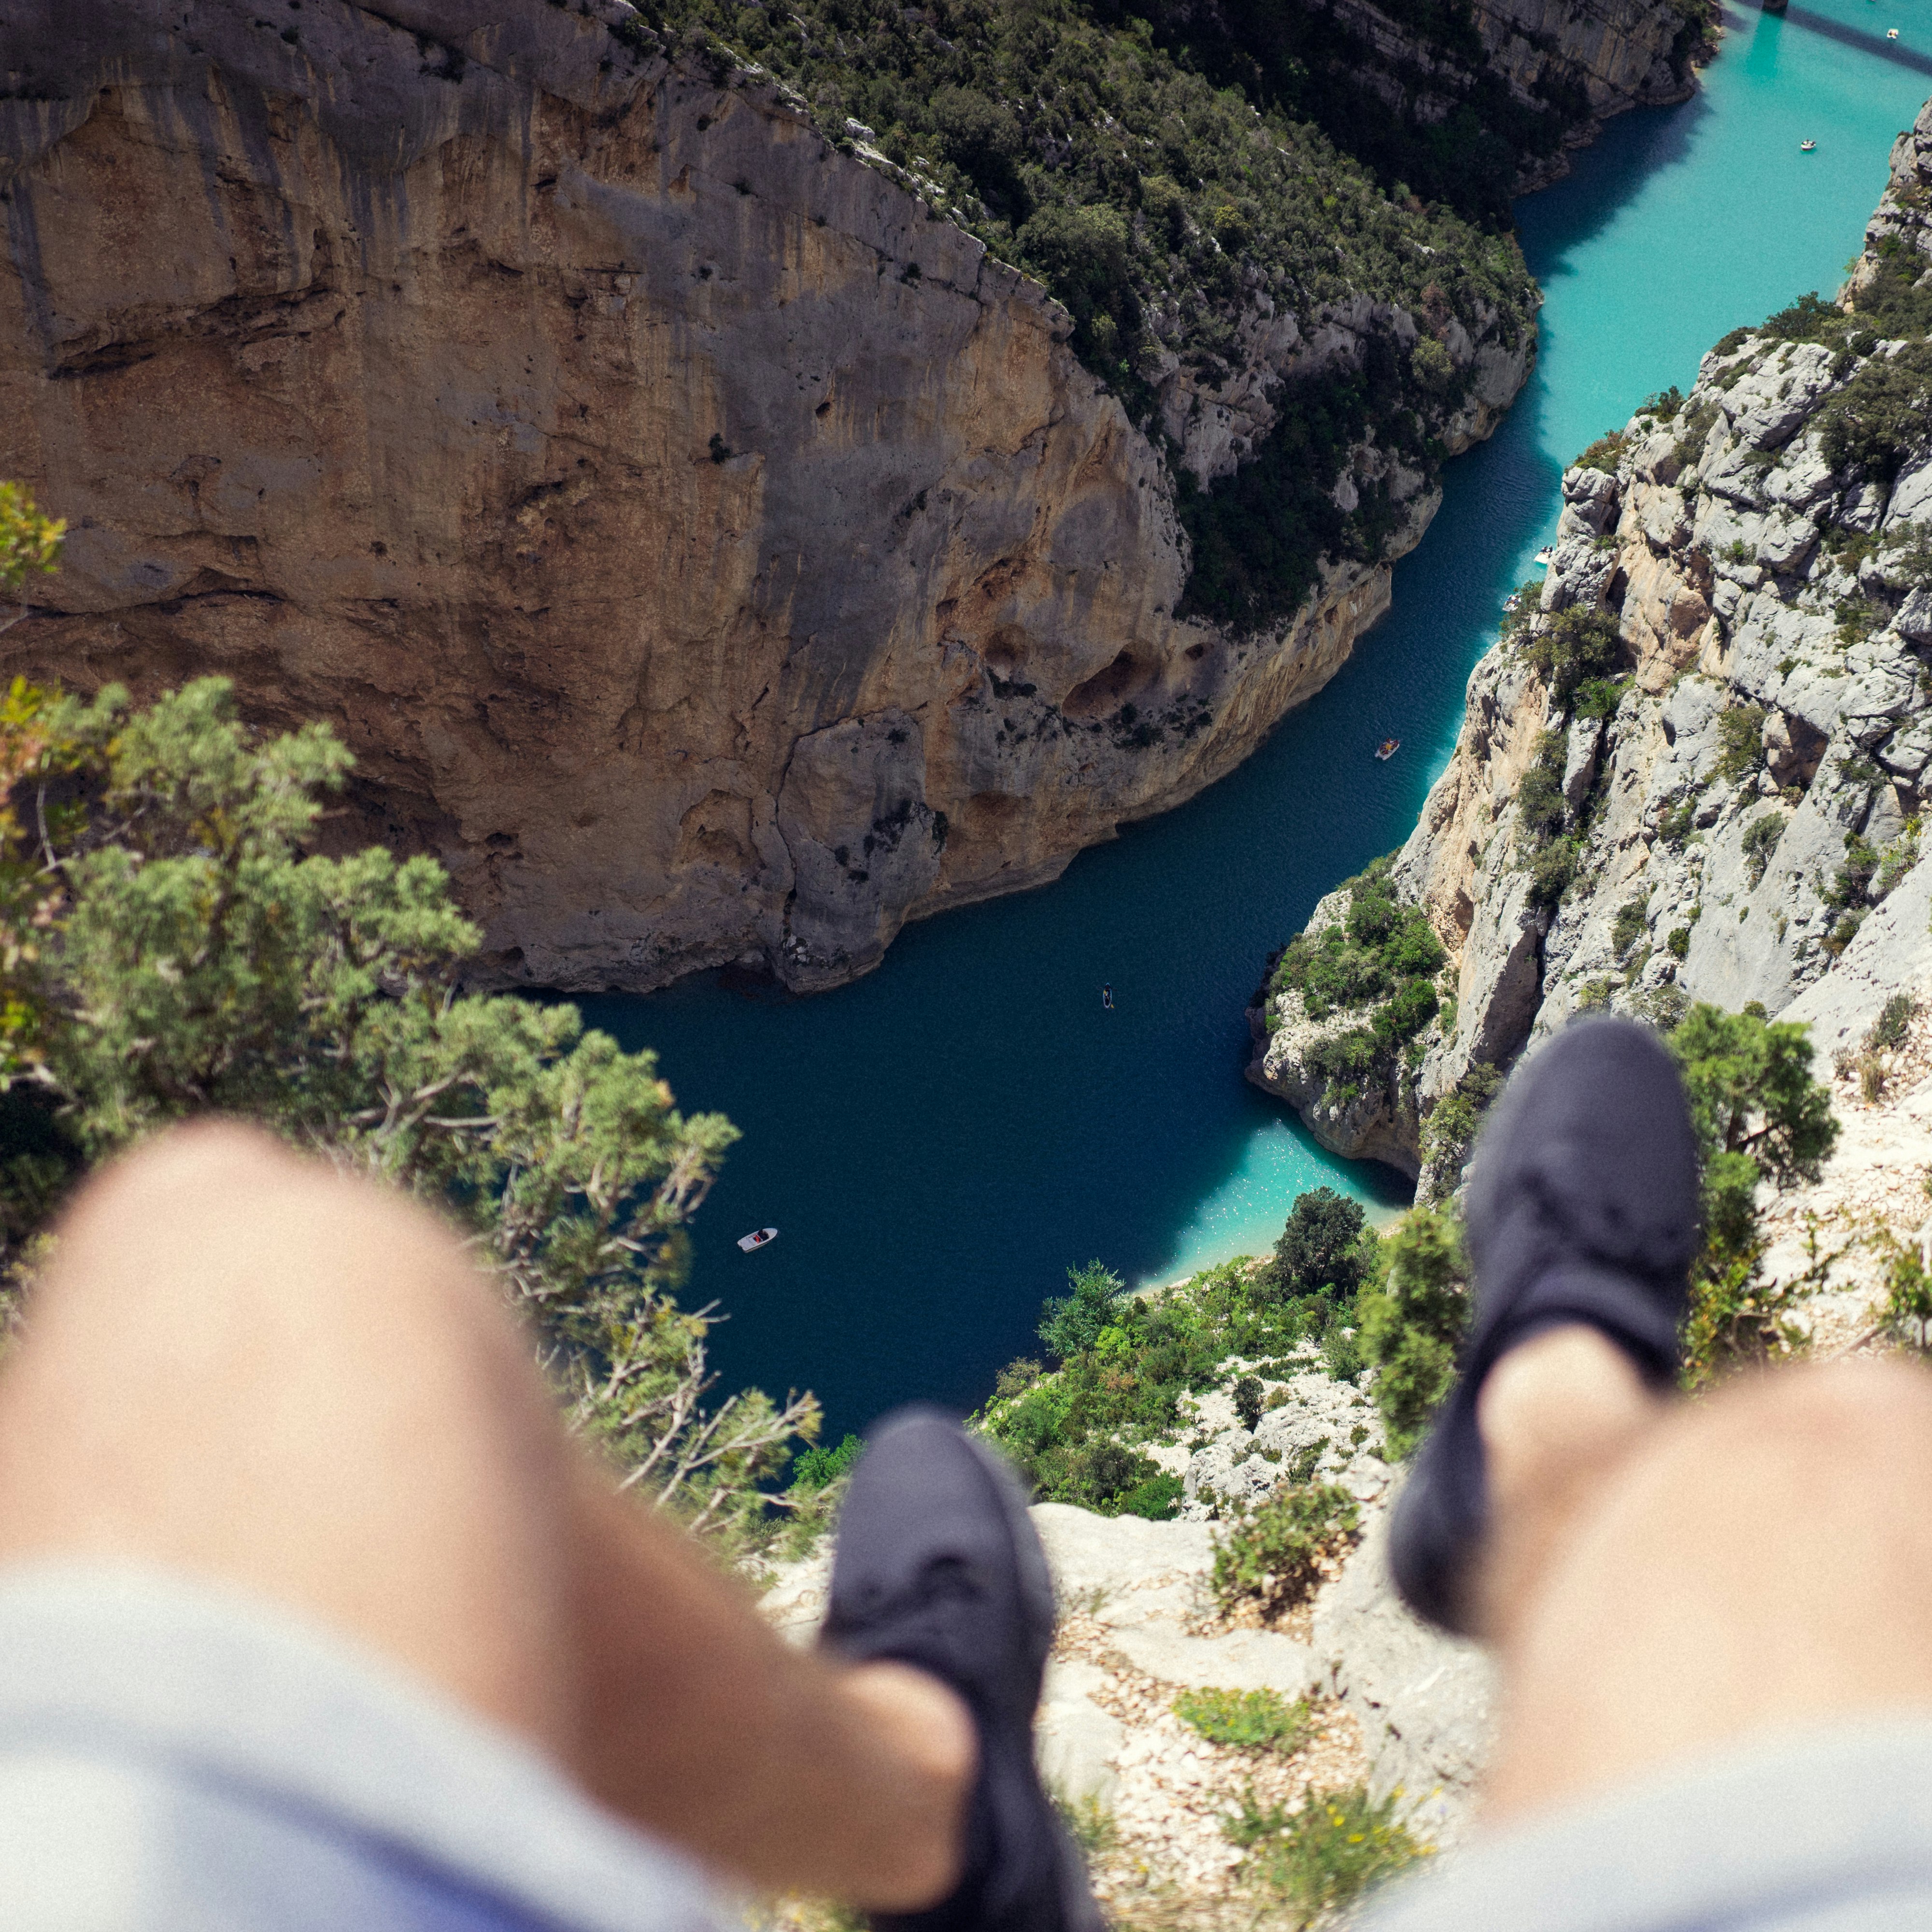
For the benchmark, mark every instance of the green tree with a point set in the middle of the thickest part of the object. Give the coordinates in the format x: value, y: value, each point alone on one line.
x: 171, y: 947
x: 1321, y: 1250
x: 1412, y: 1323
x: 1758, y: 1115
x: 1074, y: 1323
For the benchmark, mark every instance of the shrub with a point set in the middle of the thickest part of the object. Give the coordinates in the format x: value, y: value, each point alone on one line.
x: 1880, y: 416
x: 1449, y: 1132
x: 1908, y: 1307
x: 1527, y: 600
x: 1628, y: 926
x: 1342, y: 1353
x: 1552, y: 872
x: 1758, y: 1115
x: 1677, y: 826
x: 1321, y: 1250
x: 30, y: 544
x: 1889, y: 1031
x: 175, y: 948
x: 1412, y: 1324
x: 1272, y: 1552
x: 1740, y: 741
x: 1245, y: 1720
x: 1090, y: 1823
x: 1896, y: 859
x: 1697, y: 427
x: 1858, y: 617
x: 1077, y: 1320
x: 1602, y: 454
x: 819, y: 1467
x: 1850, y: 883
x: 1809, y: 319
x: 1579, y: 643
x: 1319, y: 1858
x: 1248, y: 1401
x: 1760, y: 840
x: 1677, y: 942
x: 1598, y: 698
x: 1540, y: 801
x: 1737, y: 1320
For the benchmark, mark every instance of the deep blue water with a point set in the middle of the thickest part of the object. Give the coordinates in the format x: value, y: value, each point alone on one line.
x: 939, y: 1142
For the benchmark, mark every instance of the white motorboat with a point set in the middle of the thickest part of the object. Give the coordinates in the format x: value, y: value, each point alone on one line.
x: 1545, y: 557
x: 759, y: 1237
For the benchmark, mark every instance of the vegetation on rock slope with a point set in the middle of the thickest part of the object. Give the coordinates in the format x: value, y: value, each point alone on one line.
x: 1376, y: 965
x: 169, y: 946
x: 1389, y: 1310
x: 1166, y: 212
x: 1479, y: 133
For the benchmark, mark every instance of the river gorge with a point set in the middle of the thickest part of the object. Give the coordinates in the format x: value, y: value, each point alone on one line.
x: 939, y: 1141
x: 764, y: 601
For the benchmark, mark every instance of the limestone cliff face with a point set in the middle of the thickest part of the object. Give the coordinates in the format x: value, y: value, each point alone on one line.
x: 710, y: 553
x: 1743, y: 825
x: 1622, y: 53
x: 1586, y: 62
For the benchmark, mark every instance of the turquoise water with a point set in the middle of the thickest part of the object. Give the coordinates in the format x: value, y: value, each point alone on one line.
x: 940, y: 1141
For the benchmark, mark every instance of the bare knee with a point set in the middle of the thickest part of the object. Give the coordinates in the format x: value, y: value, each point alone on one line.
x: 216, y: 1223
x: 245, y: 1364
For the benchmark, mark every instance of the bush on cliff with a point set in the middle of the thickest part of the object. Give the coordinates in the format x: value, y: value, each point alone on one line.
x: 1272, y: 1551
x: 171, y: 947
x: 1125, y: 1361
x: 1880, y: 417
x: 1077, y: 1320
x: 1450, y: 1128
x: 1412, y: 1322
x: 1322, y: 1250
x: 1758, y: 1116
x: 1579, y: 643
x: 1384, y: 955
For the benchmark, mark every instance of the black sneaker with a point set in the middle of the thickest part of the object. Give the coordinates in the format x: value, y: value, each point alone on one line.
x: 938, y: 1566
x: 1582, y: 1207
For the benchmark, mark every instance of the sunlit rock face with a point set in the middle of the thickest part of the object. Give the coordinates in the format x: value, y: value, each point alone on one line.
x: 710, y: 554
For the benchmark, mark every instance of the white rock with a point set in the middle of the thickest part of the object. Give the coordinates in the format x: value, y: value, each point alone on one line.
x: 1074, y: 1741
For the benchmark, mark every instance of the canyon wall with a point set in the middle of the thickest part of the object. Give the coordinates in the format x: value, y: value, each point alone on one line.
x: 710, y: 553
x: 1583, y: 60
x: 1727, y: 806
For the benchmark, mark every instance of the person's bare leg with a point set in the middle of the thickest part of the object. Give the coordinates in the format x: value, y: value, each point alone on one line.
x: 245, y: 1366
x: 1667, y: 1580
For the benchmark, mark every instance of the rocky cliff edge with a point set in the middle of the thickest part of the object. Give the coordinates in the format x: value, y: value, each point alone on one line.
x: 1695, y: 768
